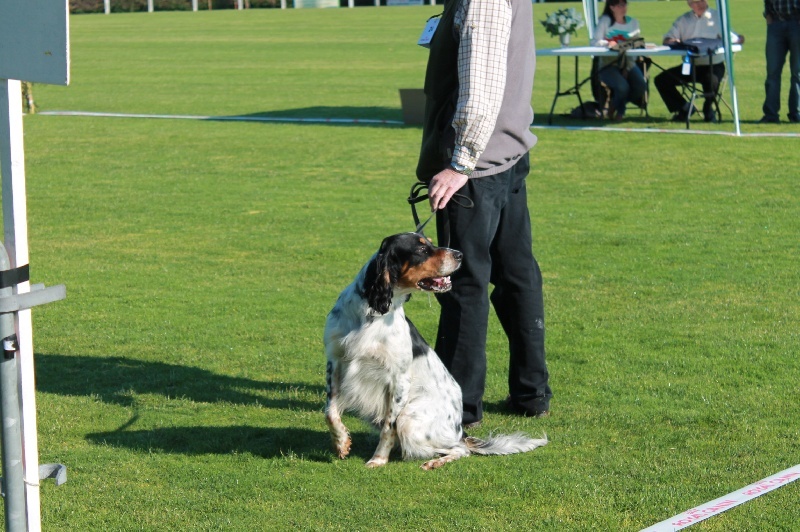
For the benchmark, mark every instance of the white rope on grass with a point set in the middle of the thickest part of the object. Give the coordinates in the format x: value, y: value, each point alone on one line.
x: 372, y: 121
x: 726, y: 502
x: 659, y: 130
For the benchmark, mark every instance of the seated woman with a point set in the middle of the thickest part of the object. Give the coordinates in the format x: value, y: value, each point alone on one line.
x: 626, y: 81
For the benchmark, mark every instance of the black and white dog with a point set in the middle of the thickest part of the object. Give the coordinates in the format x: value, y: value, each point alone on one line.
x: 380, y: 367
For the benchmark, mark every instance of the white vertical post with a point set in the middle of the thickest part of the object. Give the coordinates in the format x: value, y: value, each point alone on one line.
x: 149, y: 6
x: 283, y: 4
x: 239, y: 5
x: 724, y: 15
x: 107, y: 6
x: 15, y: 226
x: 194, y: 5
x: 38, y: 35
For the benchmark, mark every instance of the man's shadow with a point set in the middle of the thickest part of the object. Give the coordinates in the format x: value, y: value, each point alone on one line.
x: 344, y: 116
x: 115, y: 380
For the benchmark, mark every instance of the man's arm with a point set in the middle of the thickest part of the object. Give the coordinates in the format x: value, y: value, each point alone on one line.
x: 674, y: 33
x: 484, y: 27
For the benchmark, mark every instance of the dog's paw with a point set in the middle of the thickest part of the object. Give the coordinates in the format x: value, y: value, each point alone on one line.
x: 342, y: 447
x: 377, y: 462
x: 432, y: 464
x: 439, y: 462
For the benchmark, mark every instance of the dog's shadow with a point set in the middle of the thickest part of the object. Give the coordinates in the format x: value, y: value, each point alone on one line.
x: 118, y: 380
x: 264, y: 442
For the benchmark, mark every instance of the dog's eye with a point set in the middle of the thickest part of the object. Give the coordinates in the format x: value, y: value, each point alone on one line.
x: 423, y: 250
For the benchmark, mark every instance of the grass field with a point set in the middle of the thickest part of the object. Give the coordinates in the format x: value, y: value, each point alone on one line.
x: 182, y: 380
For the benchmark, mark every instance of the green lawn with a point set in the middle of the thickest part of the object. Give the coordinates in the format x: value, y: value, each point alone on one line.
x: 182, y: 380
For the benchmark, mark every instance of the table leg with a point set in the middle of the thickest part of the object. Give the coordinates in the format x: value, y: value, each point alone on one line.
x: 577, y: 89
x: 558, y: 90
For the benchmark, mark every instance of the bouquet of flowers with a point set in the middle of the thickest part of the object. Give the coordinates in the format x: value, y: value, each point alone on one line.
x: 563, y: 22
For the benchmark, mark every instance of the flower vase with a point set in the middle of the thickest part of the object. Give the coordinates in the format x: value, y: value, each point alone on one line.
x: 564, y: 38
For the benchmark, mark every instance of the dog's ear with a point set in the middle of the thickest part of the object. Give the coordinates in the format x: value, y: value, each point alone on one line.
x: 378, y: 285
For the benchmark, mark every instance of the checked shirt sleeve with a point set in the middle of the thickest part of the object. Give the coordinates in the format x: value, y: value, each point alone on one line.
x: 484, y: 27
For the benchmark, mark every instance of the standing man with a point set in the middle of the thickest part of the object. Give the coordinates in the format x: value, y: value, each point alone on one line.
x: 783, y: 36
x: 475, y: 142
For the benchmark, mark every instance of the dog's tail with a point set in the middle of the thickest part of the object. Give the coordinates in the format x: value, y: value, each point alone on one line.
x: 497, y: 444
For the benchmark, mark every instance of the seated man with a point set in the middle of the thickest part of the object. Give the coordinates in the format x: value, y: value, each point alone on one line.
x: 700, y: 22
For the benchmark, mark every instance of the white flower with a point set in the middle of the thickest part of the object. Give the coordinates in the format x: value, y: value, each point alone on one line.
x: 563, y: 21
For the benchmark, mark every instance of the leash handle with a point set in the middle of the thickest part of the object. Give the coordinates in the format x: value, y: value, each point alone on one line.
x: 416, y: 196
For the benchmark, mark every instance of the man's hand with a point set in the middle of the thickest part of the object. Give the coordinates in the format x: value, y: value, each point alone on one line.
x: 443, y: 186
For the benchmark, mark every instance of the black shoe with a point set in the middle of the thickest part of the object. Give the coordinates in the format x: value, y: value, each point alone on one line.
x: 541, y: 407
x: 710, y: 116
x: 794, y: 119
x: 680, y: 117
x: 769, y: 120
x: 693, y: 110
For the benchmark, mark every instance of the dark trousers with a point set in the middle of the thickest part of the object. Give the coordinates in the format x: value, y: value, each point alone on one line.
x: 783, y: 37
x: 668, y: 82
x: 495, y: 237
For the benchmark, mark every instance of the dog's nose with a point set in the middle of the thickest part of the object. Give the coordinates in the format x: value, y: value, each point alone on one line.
x: 458, y: 255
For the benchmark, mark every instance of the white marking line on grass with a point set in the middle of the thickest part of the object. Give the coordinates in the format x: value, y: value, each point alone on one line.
x: 678, y: 131
x: 371, y: 121
x: 717, y: 506
x: 230, y: 118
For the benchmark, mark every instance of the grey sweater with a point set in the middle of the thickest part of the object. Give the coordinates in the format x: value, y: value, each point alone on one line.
x: 511, y: 137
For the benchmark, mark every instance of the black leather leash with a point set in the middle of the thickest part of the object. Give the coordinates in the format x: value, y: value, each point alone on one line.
x: 416, y: 196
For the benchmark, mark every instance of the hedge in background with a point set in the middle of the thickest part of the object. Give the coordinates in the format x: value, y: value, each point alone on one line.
x: 122, y: 6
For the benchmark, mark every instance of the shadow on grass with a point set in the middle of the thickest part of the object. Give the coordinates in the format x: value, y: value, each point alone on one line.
x: 116, y: 380
x: 264, y: 442
x: 335, y: 116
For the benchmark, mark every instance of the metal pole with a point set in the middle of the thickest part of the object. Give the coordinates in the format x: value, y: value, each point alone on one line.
x: 13, y: 476
x: 725, y: 21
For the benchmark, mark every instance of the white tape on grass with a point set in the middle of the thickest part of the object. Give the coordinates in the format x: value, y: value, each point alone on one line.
x: 717, y: 506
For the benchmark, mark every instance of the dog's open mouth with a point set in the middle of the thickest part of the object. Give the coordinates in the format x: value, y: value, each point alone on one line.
x: 435, y: 284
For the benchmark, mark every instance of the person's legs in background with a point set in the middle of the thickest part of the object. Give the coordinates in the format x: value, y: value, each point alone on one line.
x: 710, y: 77
x: 667, y: 83
x: 616, y: 82
x: 794, y: 70
x: 775, y: 51
x: 638, y: 87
